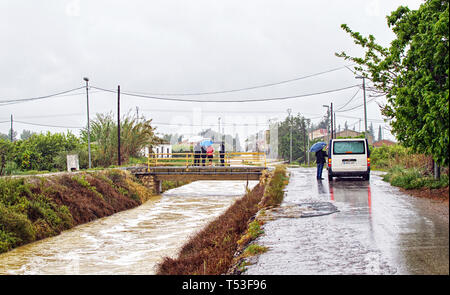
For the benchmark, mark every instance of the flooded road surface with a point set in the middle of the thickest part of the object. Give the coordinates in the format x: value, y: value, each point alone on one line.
x: 128, y: 242
x: 352, y: 227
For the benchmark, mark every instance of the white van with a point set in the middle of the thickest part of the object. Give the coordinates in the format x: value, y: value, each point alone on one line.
x: 348, y: 157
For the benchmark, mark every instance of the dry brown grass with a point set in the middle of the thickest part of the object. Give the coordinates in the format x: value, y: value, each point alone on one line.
x: 211, y: 250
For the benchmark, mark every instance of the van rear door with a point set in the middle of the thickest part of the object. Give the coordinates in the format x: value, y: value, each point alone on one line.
x: 349, y: 156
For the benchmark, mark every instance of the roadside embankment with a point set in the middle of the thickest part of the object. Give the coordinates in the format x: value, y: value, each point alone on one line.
x: 415, y: 182
x: 33, y: 208
x: 212, y: 250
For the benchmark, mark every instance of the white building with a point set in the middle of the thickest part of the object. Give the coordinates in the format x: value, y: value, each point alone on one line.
x: 162, y: 149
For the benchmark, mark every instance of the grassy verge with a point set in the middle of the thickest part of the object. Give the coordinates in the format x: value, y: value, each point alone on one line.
x: 33, y: 208
x: 414, y: 178
x: 211, y: 251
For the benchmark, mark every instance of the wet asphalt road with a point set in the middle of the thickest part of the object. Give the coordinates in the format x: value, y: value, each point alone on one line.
x: 351, y: 226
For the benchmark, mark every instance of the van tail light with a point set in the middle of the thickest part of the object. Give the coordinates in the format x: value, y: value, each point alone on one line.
x: 329, y: 162
x: 368, y: 162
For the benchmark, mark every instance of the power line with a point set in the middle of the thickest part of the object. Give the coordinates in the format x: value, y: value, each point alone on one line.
x: 241, y: 89
x: 38, y: 97
x: 354, y: 95
x: 46, y: 125
x: 371, y: 120
x: 358, y: 106
x: 229, y: 101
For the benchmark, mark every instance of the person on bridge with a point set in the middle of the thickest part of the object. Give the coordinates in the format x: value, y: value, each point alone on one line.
x: 320, y: 160
x: 197, y: 152
x: 222, y: 154
x: 203, y: 150
x: 209, y: 153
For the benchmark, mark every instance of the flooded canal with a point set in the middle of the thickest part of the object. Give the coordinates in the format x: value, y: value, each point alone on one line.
x: 128, y: 242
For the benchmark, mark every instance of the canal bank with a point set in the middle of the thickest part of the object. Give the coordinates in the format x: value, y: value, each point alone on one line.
x: 133, y: 241
x: 33, y: 208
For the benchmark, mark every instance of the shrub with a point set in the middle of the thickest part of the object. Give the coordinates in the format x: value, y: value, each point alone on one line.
x: 254, y: 249
x: 254, y: 230
x: 15, y: 226
x: 386, y: 157
x: 413, y: 179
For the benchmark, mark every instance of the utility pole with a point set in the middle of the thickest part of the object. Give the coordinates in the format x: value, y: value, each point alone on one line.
x: 118, y: 125
x: 88, y: 124
x: 12, y: 130
x: 365, y: 106
x: 334, y: 120
x: 331, y: 115
x: 290, y: 138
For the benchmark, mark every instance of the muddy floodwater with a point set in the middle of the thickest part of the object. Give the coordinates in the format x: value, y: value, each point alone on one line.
x: 351, y: 226
x: 128, y: 242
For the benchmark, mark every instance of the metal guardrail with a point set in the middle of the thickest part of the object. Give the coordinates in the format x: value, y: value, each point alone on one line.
x: 196, y: 159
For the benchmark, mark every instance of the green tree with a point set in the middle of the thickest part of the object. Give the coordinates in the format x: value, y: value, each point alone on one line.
x: 6, y: 153
x: 39, y: 152
x: 413, y: 74
x: 26, y: 134
x: 135, y: 134
x: 299, y: 138
x: 380, y: 133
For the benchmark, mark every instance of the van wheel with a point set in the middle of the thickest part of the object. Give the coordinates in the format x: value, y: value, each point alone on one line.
x: 330, y: 177
x: 366, y: 176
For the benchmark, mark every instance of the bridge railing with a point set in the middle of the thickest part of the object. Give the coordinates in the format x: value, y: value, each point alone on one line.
x: 218, y: 159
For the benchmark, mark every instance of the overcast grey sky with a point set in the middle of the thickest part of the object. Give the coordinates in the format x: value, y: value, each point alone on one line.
x: 178, y: 47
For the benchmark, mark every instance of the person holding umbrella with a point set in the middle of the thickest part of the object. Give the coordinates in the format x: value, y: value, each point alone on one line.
x: 210, y: 154
x: 204, y: 145
x: 320, y: 157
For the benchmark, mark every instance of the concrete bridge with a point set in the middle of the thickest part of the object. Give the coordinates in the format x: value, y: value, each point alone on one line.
x: 152, y: 177
x: 191, y: 167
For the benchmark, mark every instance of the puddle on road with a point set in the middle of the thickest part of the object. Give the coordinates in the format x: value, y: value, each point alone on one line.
x: 302, y: 210
x: 317, y: 209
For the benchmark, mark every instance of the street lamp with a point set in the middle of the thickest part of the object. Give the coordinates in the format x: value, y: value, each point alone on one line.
x: 290, y: 138
x: 365, y: 108
x: 88, y: 125
x: 328, y: 111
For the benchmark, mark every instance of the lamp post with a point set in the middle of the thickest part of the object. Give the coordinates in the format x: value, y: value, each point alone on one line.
x: 290, y: 137
x: 328, y: 112
x: 365, y: 107
x: 88, y: 125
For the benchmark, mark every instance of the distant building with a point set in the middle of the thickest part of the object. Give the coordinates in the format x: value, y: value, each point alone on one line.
x: 353, y: 133
x: 264, y: 141
x: 318, y: 133
x: 344, y: 133
x: 162, y: 149
x: 158, y: 149
x: 383, y: 142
